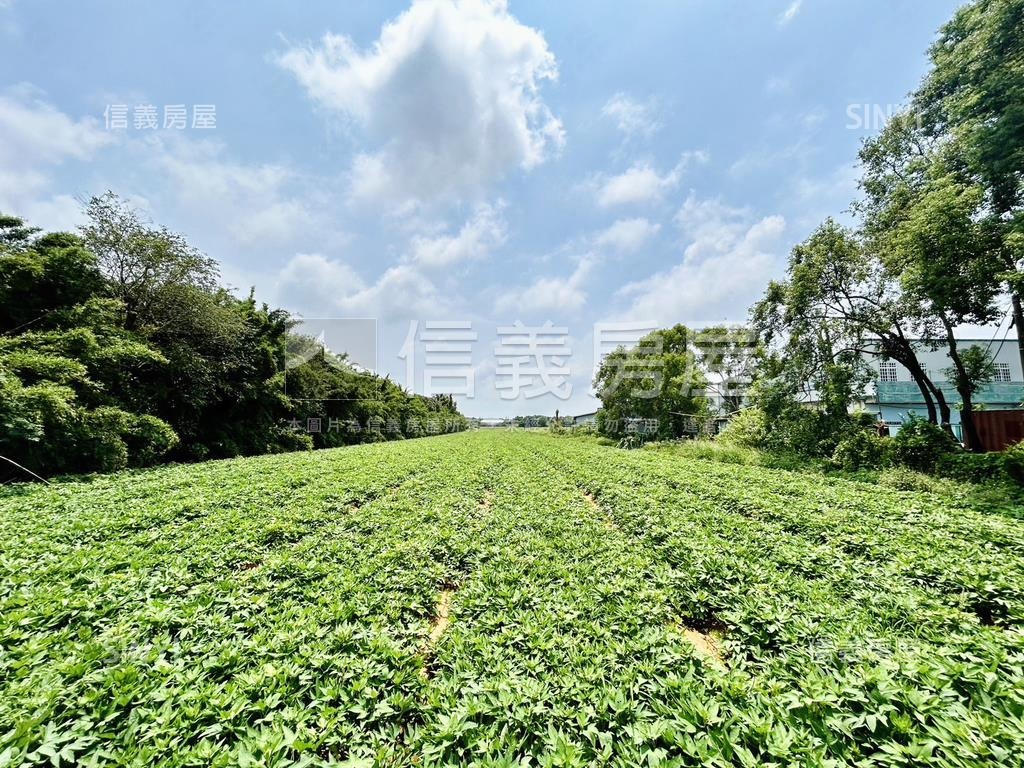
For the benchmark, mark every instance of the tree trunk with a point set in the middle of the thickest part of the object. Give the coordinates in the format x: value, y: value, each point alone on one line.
x: 919, y: 377
x: 901, y: 349
x: 945, y: 412
x: 1018, y: 321
x: 963, y: 386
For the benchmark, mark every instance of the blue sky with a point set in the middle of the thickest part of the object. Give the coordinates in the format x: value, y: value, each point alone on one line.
x: 570, y: 163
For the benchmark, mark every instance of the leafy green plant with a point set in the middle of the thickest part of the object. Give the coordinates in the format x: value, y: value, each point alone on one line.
x: 862, y: 450
x: 747, y: 429
x: 920, y: 444
x: 506, y: 597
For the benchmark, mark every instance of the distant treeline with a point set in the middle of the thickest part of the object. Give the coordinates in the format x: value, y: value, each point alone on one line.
x: 118, y: 348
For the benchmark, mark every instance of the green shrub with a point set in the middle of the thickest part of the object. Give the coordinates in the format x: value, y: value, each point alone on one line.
x: 709, y: 450
x: 904, y: 479
x: 920, y: 444
x: 1004, y: 467
x: 1013, y: 463
x: 110, y: 439
x: 970, y: 467
x: 747, y: 429
x: 148, y: 439
x: 862, y: 450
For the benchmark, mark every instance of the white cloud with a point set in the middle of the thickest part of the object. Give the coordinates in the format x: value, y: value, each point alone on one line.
x: 262, y: 204
x: 36, y: 132
x: 726, y: 264
x: 641, y: 183
x: 561, y: 294
x: 627, y: 235
x: 790, y: 13
x: 313, y: 284
x: 448, y: 97
x: 632, y: 118
x: 37, y: 139
x: 56, y: 213
x: 485, y: 231
x: 402, y: 291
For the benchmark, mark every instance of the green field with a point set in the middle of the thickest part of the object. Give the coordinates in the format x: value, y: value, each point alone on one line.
x: 504, y: 599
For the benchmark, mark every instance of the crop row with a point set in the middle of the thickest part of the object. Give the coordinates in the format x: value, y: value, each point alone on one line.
x: 504, y: 599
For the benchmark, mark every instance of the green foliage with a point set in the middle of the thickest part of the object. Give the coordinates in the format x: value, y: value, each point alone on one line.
x: 710, y: 450
x: 999, y: 467
x: 119, y: 350
x: 659, y: 381
x: 1013, y: 463
x: 793, y: 427
x: 920, y: 445
x: 747, y: 429
x: 531, y: 421
x: 975, y: 90
x: 603, y: 607
x: 862, y: 450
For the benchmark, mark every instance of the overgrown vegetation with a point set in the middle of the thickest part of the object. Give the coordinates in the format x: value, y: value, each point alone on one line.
x: 118, y: 349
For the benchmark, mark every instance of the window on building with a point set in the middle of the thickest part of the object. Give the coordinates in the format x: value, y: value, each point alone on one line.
x: 887, y: 371
x: 1002, y: 372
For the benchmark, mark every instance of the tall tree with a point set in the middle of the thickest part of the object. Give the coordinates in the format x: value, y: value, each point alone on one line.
x: 926, y: 222
x: 659, y: 379
x: 837, y: 300
x: 154, y: 272
x: 974, y: 97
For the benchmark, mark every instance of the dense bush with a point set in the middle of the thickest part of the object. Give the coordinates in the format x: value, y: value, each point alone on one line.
x: 747, y: 429
x: 658, y: 383
x: 118, y: 349
x: 1007, y: 466
x: 710, y: 450
x: 862, y: 450
x: 970, y: 467
x: 1013, y: 463
x: 920, y: 445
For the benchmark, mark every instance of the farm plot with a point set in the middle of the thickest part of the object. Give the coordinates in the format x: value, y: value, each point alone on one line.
x: 504, y: 599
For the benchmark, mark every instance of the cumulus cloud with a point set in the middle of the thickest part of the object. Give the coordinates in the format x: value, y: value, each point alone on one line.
x: 36, y: 132
x: 568, y: 293
x: 633, y: 118
x: 266, y: 204
x: 627, y: 235
x: 729, y: 258
x: 402, y: 291
x: 38, y: 138
x: 560, y: 294
x: 314, y: 284
x: 485, y: 231
x: 448, y: 98
x: 641, y: 182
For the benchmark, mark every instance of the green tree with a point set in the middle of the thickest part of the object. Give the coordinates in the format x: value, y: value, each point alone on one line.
x: 659, y: 380
x: 154, y: 272
x: 928, y: 226
x: 839, y: 299
x: 973, y: 97
x: 67, y: 362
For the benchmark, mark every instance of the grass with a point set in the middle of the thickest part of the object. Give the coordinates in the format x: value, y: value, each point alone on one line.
x: 504, y: 599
